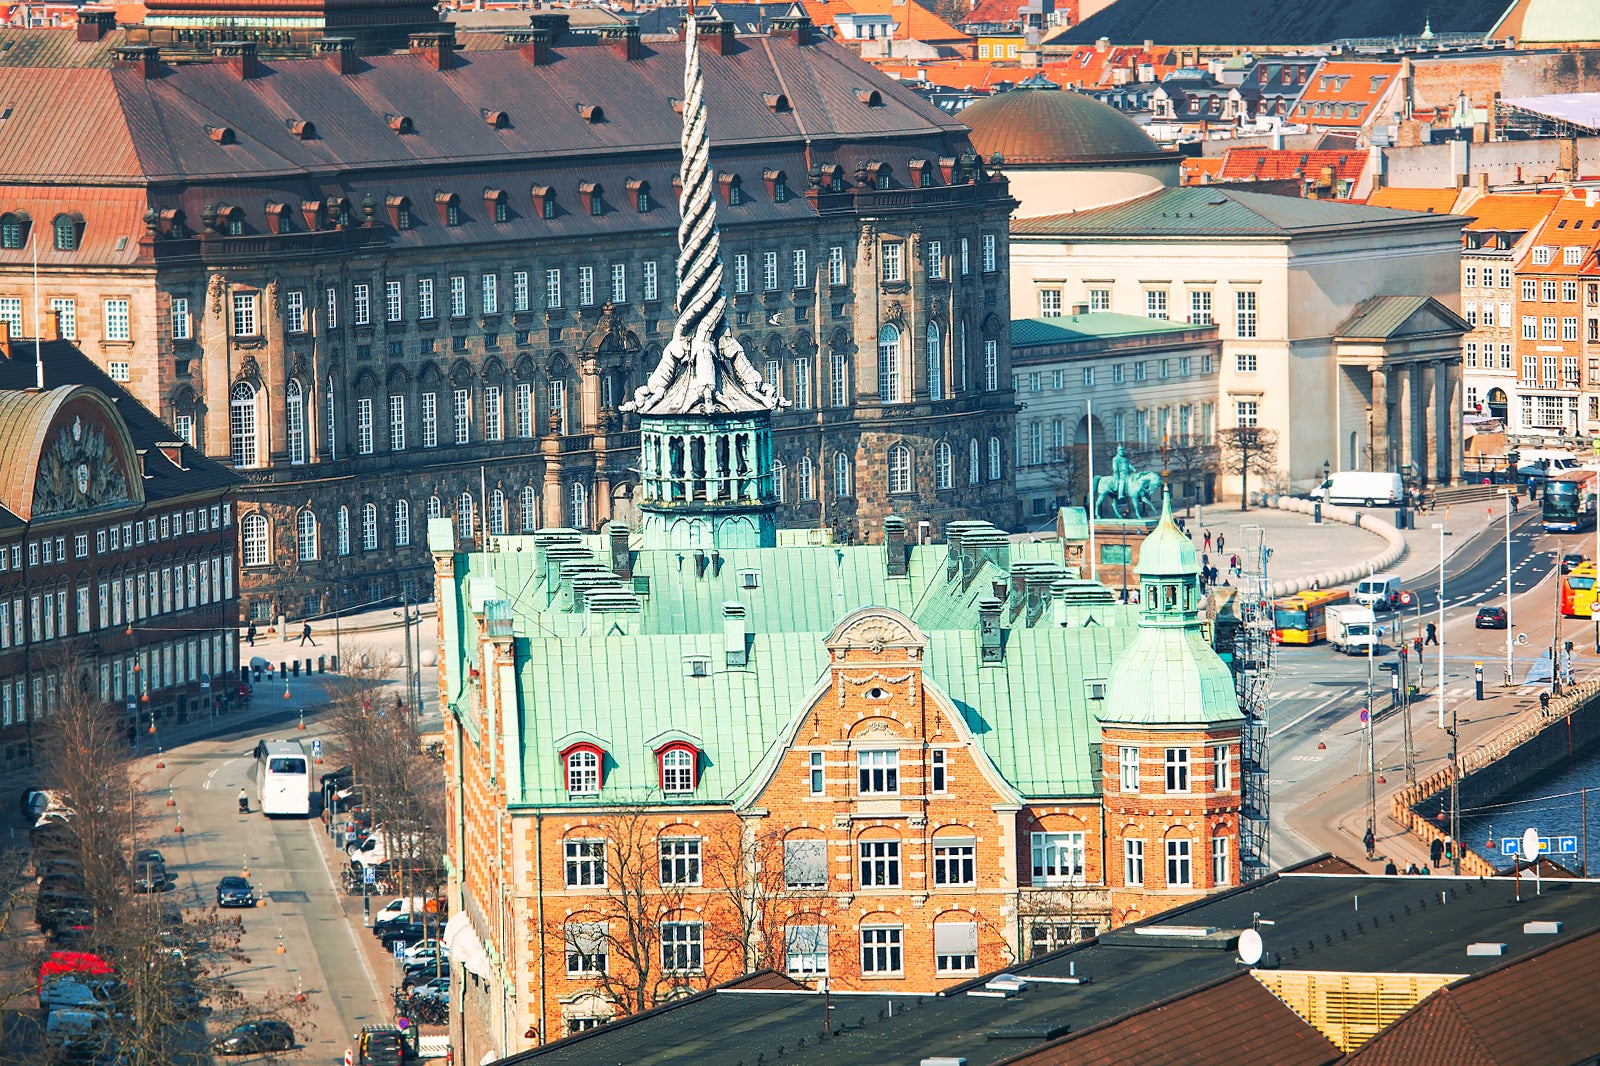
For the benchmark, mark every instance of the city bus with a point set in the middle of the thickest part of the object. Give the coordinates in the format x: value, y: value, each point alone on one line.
x: 1302, y: 618
x: 1569, y: 502
x: 283, y: 777
x: 1577, y: 591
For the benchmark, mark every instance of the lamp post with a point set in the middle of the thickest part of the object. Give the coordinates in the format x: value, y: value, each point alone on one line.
x: 1507, y: 494
x: 1440, y: 654
x: 1369, y: 437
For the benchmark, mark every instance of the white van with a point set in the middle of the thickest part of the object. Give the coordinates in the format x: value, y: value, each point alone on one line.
x: 397, y: 908
x: 1380, y: 591
x: 1351, y: 628
x: 1366, y: 488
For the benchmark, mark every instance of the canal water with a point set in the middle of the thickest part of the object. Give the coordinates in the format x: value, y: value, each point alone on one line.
x: 1551, y: 803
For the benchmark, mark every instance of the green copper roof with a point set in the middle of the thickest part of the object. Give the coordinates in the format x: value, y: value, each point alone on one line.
x: 623, y: 668
x: 1095, y: 325
x: 1171, y: 677
x: 1167, y: 550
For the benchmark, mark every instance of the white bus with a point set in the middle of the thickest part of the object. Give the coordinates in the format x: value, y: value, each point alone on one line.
x: 283, y: 777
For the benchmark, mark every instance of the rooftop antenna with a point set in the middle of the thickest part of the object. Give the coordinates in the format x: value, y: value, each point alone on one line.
x: 38, y: 358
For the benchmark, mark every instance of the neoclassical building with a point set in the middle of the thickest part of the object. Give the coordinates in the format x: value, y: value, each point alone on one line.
x: 394, y: 287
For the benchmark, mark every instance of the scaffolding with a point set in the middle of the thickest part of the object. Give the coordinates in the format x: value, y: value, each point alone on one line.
x: 1252, y: 677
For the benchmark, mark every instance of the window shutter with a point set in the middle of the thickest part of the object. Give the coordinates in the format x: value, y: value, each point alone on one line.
x: 955, y: 938
x: 805, y: 862
x: 586, y: 938
x: 955, y: 842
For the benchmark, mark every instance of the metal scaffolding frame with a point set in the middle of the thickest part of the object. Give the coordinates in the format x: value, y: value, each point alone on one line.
x: 1253, y: 655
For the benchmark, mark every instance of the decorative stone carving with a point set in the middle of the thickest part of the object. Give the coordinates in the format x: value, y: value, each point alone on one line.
x: 214, y: 290
x: 79, y: 472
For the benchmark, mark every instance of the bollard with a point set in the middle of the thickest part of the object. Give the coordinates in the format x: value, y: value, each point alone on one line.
x: 308, y: 667
x: 283, y: 671
x: 333, y: 663
x: 1477, y: 677
x: 296, y: 669
x: 1316, y: 512
x: 322, y: 664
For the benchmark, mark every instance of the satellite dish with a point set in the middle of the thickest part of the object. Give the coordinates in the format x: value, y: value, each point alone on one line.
x: 1250, y: 947
x: 1530, y: 844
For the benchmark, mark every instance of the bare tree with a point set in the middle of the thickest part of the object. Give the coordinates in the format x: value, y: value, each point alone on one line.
x: 747, y: 874
x: 1248, y: 450
x: 1192, y: 461
x: 1062, y: 472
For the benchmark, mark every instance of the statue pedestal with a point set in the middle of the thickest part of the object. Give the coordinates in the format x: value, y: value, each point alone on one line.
x: 1116, y: 546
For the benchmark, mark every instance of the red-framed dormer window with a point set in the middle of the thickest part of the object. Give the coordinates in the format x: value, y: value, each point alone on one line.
x: 678, y: 767
x: 584, y: 767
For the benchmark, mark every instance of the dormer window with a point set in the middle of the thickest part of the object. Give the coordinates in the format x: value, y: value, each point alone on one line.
x: 833, y: 178
x: 777, y: 185
x: 399, y: 211
x: 277, y: 218
x: 732, y: 189
x: 678, y: 766
x: 449, y: 207
x: 495, y: 202
x: 68, y: 230
x: 339, y: 210
x: 921, y: 173
x: 582, y: 764
x: 311, y: 211
x: 593, y: 197
x: 13, y: 230
x: 879, y: 175
x: 230, y: 220
x: 639, y: 193
x: 544, y: 201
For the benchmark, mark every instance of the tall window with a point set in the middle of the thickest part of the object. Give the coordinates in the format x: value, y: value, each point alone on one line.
x: 889, y: 363
x: 393, y: 302
x: 805, y: 478
x: 935, y: 347
x: 878, y: 771
x: 118, y: 324
x: 67, y: 309
x: 306, y: 536
x: 1132, y: 862
x: 990, y: 256
x: 682, y: 947
x: 991, y: 366
x: 294, y: 417
x: 369, y: 527
x: 519, y: 290
x: 397, y: 423
x: 900, y: 479
x: 425, y: 299
x: 1244, y: 315
x: 489, y: 293
x: 1200, y: 307
x: 1245, y: 412
x: 342, y: 527
x: 463, y: 413
x: 1177, y: 769
x: 364, y: 426
x: 943, y: 464
x: 652, y: 281
x: 402, y: 523
x: 769, y: 271
x: 242, y: 424
x: 254, y: 540
x: 497, y: 513
x: 841, y: 474
x: 361, y: 304
x: 524, y: 409
x: 458, y: 296
x: 680, y: 856
x: 799, y: 270
x: 881, y: 949
x: 1058, y: 858
x: 465, y: 516
x: 580, y: 506
x: 619, y: 283
x: 331, y: 301
x: 1128, y: 768
x: 677, y: 775
x: 585, y: 286
x: 974, y: 468
x: 244, y: 314
x: 493, y: 425
x: 1221, y: 772
x: 1219, y: 862
x: 839, y: 380
x: 802, y: 384
x: 585, y: 859
x: 558, y: 404
x: 935, y: 261
x: 552, y: 288
x: 1180, y: 870
x: 836, y: 265
x: 893, y: 261
x: 994, y: 458
x: 779, y: 473
x: 430, y: 420
x: 530, y: 509
x: 880, y: 863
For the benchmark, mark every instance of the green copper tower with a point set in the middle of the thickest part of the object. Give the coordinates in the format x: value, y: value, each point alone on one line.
x: 705, y: 442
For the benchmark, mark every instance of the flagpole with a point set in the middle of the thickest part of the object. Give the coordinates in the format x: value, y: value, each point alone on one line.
x: 38, y: 357
x: 1089, y: 497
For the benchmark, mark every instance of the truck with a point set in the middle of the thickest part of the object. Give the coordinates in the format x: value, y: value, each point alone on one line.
x: 1367, y: 488
x: 1352, y: 629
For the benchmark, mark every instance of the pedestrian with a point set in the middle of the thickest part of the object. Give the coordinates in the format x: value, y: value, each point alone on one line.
x: 1513, y: 504
x: 305, y: 635
x: 1435, y: 851
x: 1544, y: 701
x: 1411, y: 869
x: 1370, y: 840
x: 1222, y: 543
x: 1433, y: 634
x: 1426, y: 871
x: 398, y: 703
x: 1390, y: 869
x: 1208, y: 540
x: 250, y: 635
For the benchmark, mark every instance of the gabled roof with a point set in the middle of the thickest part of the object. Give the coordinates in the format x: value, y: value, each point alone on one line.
x: 1509, y: 212
x: 1345, y: 94
x: 1096, y: 325
x: 1287, y: 22
x: 1218, y: 211
x: 916, y: 23
x: 1387, y: 317
x: 1277, y: 164
x: 1571, y: 223
x: 1428, y: 201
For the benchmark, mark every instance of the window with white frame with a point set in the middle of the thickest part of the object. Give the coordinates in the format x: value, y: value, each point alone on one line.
x: 994, y: 459
x: 493, y: 414
x: 619, y: 283
x: 397, y: 423
x: 294, y: 418
x: 364, y: 426
x: 463, y: 415
x: 680, y: 861
x: 425, y: 299
x: 805, y: 478
x: 430, y: 420
x: 402, y: 523
x: 1132, y: 861
x: 242, y: 425
x: 1221, y: 771
x: 893, y: 261
x: 843, y: 475
x: 836, y: 265
x: 342, y: 530
x: 935, y: 267
x: 458, y: 296
x: 1245, y: 412
x: 1244, y: 313
x: 1177, y: 769
x: 799, y: 269
x: 990, y: 254
x: 66, y: 309
x: 954, y: 861
x: 677, y: 770
x: 1542, y: 254
x: 587, y: 951
x: 586, y: 286
x: 991, y: 366
x: 769, y: 271
x: 1220, y: 867
x: 805, y: 864
x: 118, y: 323
x: 552, y: 288
x: 889, y: 363
x: 519, y: 291
x: 497, y: 513
x: 1050, y: 303
x: 1128, y: 768
x: 583, y: 772
x: 1058, y: 858
x: 682, y: 947
x: 331, y: 305
x: 466, y: 515
x: 839, y: 380
x: 489, y: 293
x: 530, y: 508
x: 937, y: 770
x: 881, y: 949
x: 254, y: 540
x: 1180, y: 869
x: 361, y: 304
x: 1200, y: 307
x: 369, y: 527
x: 802, y: 383
x: 652, y: 281
x: 955, y: 947
x: 878, y: 771
x: 306, y: 536
x: 805, y: 950
x: 943, y: 466
x: 1155, y: 303
x: 900, y: 474
x: 741, y: 273
x: 585, y: 862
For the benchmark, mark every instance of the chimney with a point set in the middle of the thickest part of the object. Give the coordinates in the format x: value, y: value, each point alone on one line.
x: 716, y: 34
x: 533, y: 44
x: 95, y: 22
x: 239, y: 57
x: 1483, y: 182
x: 52, y: 325
x: 144, y: 58
x: 621, y: 557
x: 1590, y: 195
x: 796, y: 27
x: 173, y: 450
x: 439, y: 47
x: 894, y: 545
x: 624, y: 40
x: 1567, y: 167
x: 989, y: 630
x: 553, y: 24
x: 338, y: 52
x: 733, y: 640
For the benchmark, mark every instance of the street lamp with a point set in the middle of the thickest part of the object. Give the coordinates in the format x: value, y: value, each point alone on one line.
x: 1509, y: 675
x: 1442, y: 534
x: 1455, y: 763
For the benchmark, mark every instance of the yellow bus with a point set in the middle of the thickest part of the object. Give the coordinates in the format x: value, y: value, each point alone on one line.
x: 1302, y: 618
x: 1577, y: 591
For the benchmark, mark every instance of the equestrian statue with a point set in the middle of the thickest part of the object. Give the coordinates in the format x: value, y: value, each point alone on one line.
x: 1126, y: 493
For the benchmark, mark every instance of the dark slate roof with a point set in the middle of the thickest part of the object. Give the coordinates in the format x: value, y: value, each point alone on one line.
x: 1402, y: 926
x: 1276, y: 22
x: 746, y: 18
x: 1199, y: 210
x: 64, y: 364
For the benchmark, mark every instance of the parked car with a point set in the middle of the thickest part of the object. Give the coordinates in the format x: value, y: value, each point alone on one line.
x: 249, y: 1038
x: 423, y: 949
x: 1571, y: 561
x: 149, y: 871
x: 401, y: 931
x: 437, y: 989
x: 235, y: 892
x: 1490, y: 618
x: 68, y: 913
x: 78, y: 991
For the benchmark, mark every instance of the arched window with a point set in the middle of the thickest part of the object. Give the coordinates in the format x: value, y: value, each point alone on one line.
x: 994, y: 458
x: 900, y: 468
x: 255, y: 538
x: 935, y: 362
x: 778, y: 472
x: 242, y: 424
x: 12, y: 227
x: 583, y: 771
x: 369, y: 527
x: 530, y: 509
x: 435, y: 507
x: 402, y: 523
x: 889, y: 363
x: 306, y: 535
x: 497, y: 513
x: 807, y: 478
x: 678, y: 768
x: 580, y: 506
x: 464, y: 515
x: 841, y: 474
x: 974, y: 471
x: 294, y: 416
x: 342, y: 524
x: 66, y: 233
x: 943, y: 462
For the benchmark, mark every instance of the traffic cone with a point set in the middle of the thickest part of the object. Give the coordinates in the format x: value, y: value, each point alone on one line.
x: 178, y: 828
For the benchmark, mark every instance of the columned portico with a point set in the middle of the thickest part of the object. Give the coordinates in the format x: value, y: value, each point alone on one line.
x: 1379, y: 443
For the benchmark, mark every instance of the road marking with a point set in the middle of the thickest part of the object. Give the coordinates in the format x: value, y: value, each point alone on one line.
x: 1315, y: 710
x: 207, y: 783
x: 313, y: 827
x: 1307, y: 758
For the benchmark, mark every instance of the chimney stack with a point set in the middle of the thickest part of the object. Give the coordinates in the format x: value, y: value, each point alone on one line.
x: 94, y: 22
x: 894, y: 545
x: 439, y: 47
x: 239, y: 57
x: 144, y: 57
x: 533, y: 44
x: 621, y: 557
x: 717, y: 35
x: 796, y: 27
x: 338, y: 52
x: 734, y: 650
x: 624, y: 40
x: 989, y: 630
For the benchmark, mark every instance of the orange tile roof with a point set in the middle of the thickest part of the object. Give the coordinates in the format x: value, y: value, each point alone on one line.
x: 952, y: 74
x: 1092, y: 66
x: 109, y: 215
x: 995, y: 12
x: 1196, y: 170
x: 1274, y: 164
x: 1436, y: 201
x: 1347, y: 93
x: 917, y: 23
x: 1509, y: 211
x: 1571, y: 223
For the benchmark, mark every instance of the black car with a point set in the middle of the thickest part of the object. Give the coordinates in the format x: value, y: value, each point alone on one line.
x: 1490, y: 618
x: 1571, y: 561
x: 249, y: 1038
x: 235, y: 892
x: 149, y: 871
x: 67, y: 923
x: 402, y: 932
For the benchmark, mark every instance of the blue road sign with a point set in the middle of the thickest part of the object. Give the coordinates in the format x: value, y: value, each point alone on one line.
x: 1567, y: 845
x: 369, y: 874
x: 1510, y: 846
x: 316, y: 748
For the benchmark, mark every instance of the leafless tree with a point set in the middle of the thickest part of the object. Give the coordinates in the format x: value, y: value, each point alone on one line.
x: 747, y: 874
x: 1248, y: 450
x: 1192, y: 461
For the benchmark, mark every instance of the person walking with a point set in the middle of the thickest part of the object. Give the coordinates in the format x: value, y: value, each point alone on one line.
x: 305, y: 635
x: 244, y: 802
x: 1222, y: 543
x: 1435, y: 851
x: 1433, y: 634
x: 1208, y: 541
x: 250, y: 635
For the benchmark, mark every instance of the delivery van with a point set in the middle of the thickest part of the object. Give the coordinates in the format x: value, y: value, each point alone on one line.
x: 1363, y: 488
